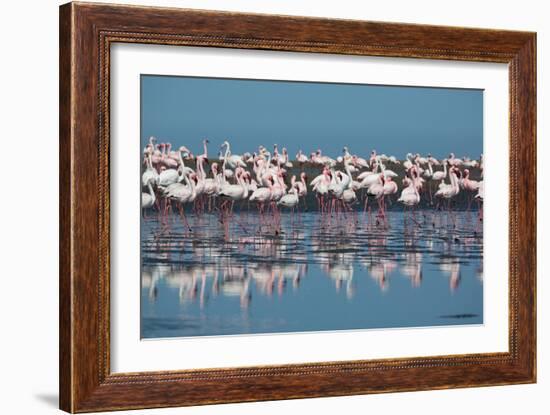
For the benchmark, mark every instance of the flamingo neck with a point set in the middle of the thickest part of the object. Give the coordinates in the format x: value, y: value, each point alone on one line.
x: 225, y: 160
x: 347, y: 179
x: 182, y: 174
x: 200, y: 168
x: 191, y: 184
x: 454, y: 181
x: 151, y: 192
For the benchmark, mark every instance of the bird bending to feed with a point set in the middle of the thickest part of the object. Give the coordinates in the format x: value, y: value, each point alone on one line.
x: 290, y: 200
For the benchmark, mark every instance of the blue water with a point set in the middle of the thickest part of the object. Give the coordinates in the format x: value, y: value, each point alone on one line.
x: 310, y: 272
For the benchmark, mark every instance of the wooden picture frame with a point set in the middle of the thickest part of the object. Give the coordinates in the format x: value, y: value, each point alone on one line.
x: 86, y: 33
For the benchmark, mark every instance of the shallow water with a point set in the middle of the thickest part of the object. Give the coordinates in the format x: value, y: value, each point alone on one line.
x: 309, y: 272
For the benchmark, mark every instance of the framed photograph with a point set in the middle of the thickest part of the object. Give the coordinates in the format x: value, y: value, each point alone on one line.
x: 259, y: 207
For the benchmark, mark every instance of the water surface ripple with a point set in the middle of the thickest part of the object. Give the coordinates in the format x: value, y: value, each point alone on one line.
x: 311, y: 273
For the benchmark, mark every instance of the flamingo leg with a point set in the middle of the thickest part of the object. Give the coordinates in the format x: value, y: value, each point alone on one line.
x: 183, y: 217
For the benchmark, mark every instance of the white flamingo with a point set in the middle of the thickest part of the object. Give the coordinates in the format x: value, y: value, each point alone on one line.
x: 448, y: 191
x: 438, y: 176
x: 409, y: 195
x: 301, y: 157
x: 290, y: 200
x: 171, y: 176
x: 150, y: 173
x: 148, y: 199
x: 301, y: 185
x: 232, y: 160
x: 235, y: 192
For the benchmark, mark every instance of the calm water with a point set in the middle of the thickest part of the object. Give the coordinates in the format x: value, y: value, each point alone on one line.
x: 312, y: 272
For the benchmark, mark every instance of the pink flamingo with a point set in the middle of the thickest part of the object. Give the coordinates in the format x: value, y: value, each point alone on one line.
x: 172, y: 157
x: 234, y: 192
x: 261, y: 196
x: 301, y: 158
x: 301, y: 186
x: 290, y: 200
x: 182, y: 194
x: 449, y: 191
x: 390, y: 188
x: 320, y: 185
x: 377, y: 190
x: 469, y: 185
x: 409, y: 196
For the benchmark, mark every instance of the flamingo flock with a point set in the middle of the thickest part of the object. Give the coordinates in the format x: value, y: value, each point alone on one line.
x: 261, y: 179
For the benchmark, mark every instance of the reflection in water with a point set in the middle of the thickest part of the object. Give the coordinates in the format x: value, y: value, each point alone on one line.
x: 311, y: 276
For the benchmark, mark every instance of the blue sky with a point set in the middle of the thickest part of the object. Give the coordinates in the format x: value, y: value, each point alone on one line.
x: 310, y: 115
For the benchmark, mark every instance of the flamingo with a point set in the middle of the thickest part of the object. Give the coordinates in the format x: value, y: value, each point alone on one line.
x: 386, y: 172
x: 235, y: 192
x: 361, y: 176
x: 183, y: 194
x: 393, y: 160
x: 286, y: 163
x: 466, y: 162
x: 290, y: 200
x: 370, y: 179
x: 262, y: 195
x: 301, y: 186
x: 205, y: 148
x: 148, y: 199
x: 150, y: 173
x: 390, y: 187
x: 469, y: 184
x: 170, y: 159
x: 301, y: 158
x: 232, y: 160
x: 150, y: 145
x: 348, y: 195
x: 372, y: 159
x: 376, y: 189
x: 278, y: 189
x: 440, y: 175
x: 448, y: 191
x: 320, y: 185
x: 170, y: 176
x: 409, y: 196
x: 453, y: 161
x: 360, y: 162
x: 211, y: 184
x: 408, y: 163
